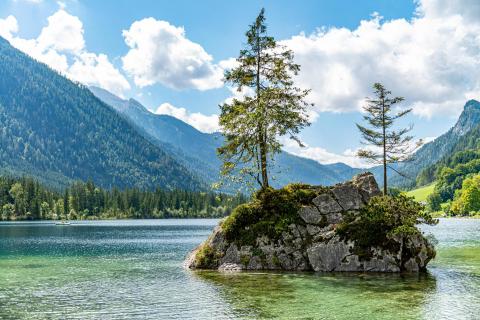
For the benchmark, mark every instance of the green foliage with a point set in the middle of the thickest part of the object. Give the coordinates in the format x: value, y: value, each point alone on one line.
x: 253, y: 124
x: 432, y: 172
x: 58, y: 131
x: 269, y: 213
x: 394, y: 191
x: 451, y: 179
x: 467, y: 199
x: 26, y: 199
x: 434, y: 202
x: 393, y: 145
x: 206, y: 257
x: 382, y: 219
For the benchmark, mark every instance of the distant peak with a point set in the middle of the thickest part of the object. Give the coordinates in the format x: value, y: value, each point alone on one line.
x: 472, y: 105
x: 469, y: 118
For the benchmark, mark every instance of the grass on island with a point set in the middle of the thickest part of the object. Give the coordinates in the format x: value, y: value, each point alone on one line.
x: 422, y: 193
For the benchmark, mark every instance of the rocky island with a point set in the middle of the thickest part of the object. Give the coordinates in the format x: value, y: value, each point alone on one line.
x: 347, y: 227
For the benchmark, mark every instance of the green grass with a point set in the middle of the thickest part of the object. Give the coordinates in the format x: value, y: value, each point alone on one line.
x: 422, y: 193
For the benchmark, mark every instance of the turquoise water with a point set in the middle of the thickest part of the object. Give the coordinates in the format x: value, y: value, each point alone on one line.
x: 132, y: 270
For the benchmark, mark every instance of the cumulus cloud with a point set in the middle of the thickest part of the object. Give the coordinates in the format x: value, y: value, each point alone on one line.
x: 433, y: 60
x: 161, y: 53
x: 61, y: 45
x: 8, y: 26
x: 197, y: 120
x: 64, y: 32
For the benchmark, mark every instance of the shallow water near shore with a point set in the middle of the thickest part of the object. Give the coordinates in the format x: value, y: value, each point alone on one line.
x: 132, y: 269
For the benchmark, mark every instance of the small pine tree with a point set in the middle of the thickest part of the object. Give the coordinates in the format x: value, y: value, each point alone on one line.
x: 390, y: 146
x: 253, y: 124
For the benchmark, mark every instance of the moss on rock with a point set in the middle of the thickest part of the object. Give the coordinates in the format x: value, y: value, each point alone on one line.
x: 269, y: 213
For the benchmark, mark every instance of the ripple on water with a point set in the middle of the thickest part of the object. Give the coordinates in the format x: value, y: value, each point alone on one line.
x: 132, y: 270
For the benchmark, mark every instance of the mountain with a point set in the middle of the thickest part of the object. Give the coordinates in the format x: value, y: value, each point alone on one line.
x: 462, y: 136
x: 197, y: 150
x: 58, y: 131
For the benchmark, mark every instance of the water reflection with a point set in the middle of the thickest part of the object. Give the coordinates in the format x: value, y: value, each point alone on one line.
x: 324, y: 296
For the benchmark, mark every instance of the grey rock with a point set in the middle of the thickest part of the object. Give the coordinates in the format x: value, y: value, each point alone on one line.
x: 313, y: 230
x: 367, y: 185
x: 272, y: 262
x: 255, y: 263
x: 286, y: 262
x: 334, y: 218
x: 230, y: 267
x: 326, y: 204
x: 310, y: 214
x: 232, y: 255
x: 328, y: 256
x: 386, y: 264
x: 411, y: 265
x: 348, y: 196
x: 300, y: 262
x: 217, y: 239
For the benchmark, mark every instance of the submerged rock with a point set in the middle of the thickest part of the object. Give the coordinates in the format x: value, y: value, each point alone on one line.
x: 311, y: 241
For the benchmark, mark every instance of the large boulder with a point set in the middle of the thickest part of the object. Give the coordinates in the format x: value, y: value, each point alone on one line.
x: 311, y: 241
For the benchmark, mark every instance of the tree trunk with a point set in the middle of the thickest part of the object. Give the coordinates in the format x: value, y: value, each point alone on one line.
x: 263, y: 160
x: 384, y: 150
x: 262, y: 137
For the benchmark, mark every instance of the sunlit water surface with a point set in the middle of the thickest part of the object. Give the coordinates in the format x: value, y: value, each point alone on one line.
x: 133, y: 270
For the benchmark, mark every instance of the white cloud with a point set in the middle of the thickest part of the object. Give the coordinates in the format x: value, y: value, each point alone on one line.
x: 62, y: 42
x: 8, y: 26
x: 197, y: 120
x: 64, y: 32
x: 96, y: 69
x: 161, y: 53
x: 468, y: 9
x: 433, y: 60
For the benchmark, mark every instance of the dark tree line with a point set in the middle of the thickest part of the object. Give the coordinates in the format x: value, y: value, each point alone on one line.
x: 26, y: 198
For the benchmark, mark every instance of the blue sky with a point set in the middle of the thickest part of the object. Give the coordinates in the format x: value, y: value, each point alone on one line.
x: 343, y: 47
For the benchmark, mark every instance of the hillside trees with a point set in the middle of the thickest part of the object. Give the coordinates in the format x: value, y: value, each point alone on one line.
x: 25, y: 198
x: 467, y: 199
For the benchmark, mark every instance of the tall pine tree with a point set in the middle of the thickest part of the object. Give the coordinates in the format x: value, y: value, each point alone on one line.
x: 272, y: 106
x: 389, y: 146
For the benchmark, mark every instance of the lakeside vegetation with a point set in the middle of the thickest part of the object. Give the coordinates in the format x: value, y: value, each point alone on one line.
x: 456, y: 188
x: 27, y: 199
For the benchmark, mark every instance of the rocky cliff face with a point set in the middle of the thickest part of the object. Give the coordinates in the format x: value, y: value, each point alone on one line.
x: 313, y: 243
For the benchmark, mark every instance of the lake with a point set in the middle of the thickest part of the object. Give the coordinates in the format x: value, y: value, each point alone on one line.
x: 133, y: 270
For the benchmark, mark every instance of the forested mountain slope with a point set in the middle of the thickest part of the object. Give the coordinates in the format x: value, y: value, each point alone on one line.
x: 58, y: 131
